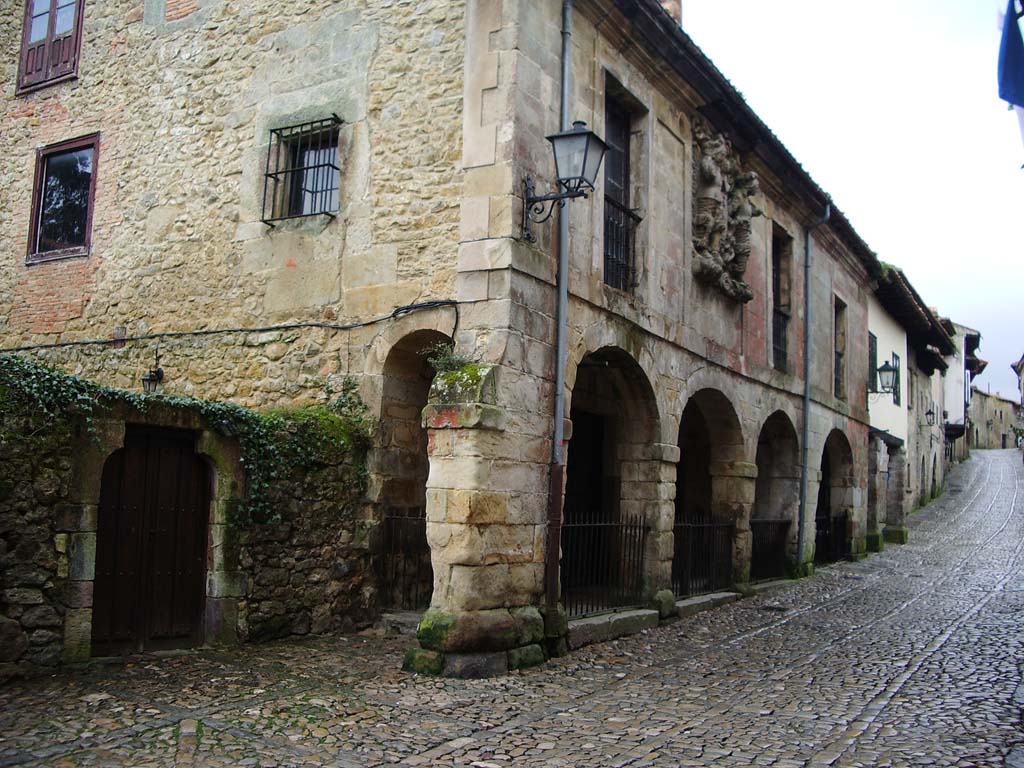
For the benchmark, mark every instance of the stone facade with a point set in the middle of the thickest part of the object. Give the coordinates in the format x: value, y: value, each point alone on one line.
x: 992, y: 419
x: 184, y: 100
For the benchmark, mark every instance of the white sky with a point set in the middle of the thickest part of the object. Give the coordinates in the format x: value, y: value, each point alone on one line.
x: 892, y: 107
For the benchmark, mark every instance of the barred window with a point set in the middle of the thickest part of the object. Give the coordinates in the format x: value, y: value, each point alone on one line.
x: 303, y: 174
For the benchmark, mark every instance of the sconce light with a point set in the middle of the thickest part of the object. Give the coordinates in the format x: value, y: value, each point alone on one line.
x: 929, y: 416
x: 887, y: 378
x: 152, y: 378
x: 578, y: 155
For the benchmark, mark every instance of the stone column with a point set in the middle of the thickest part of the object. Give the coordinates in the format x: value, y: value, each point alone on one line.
x: 733, y: 488
x: 804, y: 562
x: 486, y: 531
x: 76, y: 537
x: 878, y: 468
x: 649, y: 489
x: 895, y: 531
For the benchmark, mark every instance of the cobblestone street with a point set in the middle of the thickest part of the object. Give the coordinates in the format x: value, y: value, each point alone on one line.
x: 907, y: 658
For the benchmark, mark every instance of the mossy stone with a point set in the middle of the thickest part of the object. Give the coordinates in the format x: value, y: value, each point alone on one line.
x: 423, y: 662
x: 665, y: 603
x: 526, y: 656
x: 434, y: 628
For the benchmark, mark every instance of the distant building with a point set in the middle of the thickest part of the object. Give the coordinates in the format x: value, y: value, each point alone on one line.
x: 993, y: 418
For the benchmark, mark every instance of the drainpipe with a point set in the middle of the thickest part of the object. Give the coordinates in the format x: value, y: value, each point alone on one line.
x: 804, y: 445
x: 561, y: 332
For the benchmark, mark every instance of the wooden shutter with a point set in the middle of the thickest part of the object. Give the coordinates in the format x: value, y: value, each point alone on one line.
x: 872, y: 363
x: 52, y: 54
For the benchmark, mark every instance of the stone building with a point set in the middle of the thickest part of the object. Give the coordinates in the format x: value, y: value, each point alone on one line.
x: 993, y: 418
x: 964, y: 366
x: 334, y: 188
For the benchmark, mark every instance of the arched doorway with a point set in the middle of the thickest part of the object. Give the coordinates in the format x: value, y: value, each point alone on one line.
x: 399, y: 466
x: 706, y: 517
x: 776, y: 498
x: 151, y: 542
x: 604, y: 530
x: 835, y: 489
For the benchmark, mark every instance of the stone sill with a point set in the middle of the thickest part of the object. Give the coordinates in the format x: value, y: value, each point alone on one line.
x: 608, y: 626
x: 694, y: 605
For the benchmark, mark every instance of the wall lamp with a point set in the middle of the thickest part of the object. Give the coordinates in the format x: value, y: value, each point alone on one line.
x: 929, y: 416
x: 152, y: 378
x: 578, y: 155
x: 887, y: 378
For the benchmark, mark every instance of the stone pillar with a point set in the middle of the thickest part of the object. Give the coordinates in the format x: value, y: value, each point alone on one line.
x: 649, y: 488
x: 76, y: 537
x: 804, y: 561
x: 486, y: 531
x: 895, y: 530
x: 878, y: 470
x: 733, y: 488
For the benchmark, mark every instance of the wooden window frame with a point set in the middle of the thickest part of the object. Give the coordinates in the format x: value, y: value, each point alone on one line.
x: 76, y: 34
x: 33, y: 255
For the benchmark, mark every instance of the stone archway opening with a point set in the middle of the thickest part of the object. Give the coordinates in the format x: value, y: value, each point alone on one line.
x: 712, y: 501
x: 399, y: 465
x: 835, y: 501
x: 611, y: 495
x: 935, y: 474
x: 776, y: 499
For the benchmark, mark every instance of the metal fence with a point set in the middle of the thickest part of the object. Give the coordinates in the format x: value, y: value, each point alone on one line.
x: 406, y: 577
x: 830, y: 538
x: 703, y: 557
x: 602, y: 564
x: 768, y: 558
x: 619, y: 235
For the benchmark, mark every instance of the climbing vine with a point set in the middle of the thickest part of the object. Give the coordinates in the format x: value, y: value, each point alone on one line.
x: 274, y: 444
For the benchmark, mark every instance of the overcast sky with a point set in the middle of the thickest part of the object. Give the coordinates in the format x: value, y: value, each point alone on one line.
x: 892, y: 107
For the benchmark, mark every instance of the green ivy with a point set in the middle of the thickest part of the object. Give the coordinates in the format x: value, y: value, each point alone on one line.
x: 274, y: 444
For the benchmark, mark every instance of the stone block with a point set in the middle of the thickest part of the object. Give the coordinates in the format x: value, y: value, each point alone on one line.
x: 526, y: 657
x: 225, y: 584
x: 13, y: 640
x: 40, y: 616
x: 477, y: 507
x: 76, y: 517
x: 23, y: 596
x: 597, y: 629
x: 423, y: 662
x: 475, y: 665
x: 694, y: 605
x: 474, y: 588
x: 77, y: 634
x: 82, y: 556
x: 896, y: 535
x: 664, y: 602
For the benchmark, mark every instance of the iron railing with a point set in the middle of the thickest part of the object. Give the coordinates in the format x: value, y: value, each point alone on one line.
x: 406, y: 577
x: 768, y: 550
x: 619, y: 241
x: 702, y: 561
x: 303, y: 177
x: 780, y: 345
x: 603, y: 564
x: 830, y: 538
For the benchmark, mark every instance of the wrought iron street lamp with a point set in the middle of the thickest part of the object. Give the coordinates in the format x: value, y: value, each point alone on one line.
x: 887, y: 377
x: 578, y: 155
x: 929, y: 416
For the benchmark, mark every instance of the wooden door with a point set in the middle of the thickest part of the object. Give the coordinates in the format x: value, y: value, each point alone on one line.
x: 151, y: 544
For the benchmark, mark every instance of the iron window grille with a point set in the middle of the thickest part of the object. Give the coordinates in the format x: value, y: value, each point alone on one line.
x: 303, y: 177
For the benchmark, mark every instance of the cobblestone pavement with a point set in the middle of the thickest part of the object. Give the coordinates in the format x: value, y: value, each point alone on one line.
x: 907, y: 658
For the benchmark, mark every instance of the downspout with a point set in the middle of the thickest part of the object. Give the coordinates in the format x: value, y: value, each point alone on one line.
x: 804, y: 443
x: 557, y: 473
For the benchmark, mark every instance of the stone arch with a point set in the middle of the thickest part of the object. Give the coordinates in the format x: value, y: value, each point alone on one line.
x: 224, y: 582
x: 399, y: 465
x: 614, y: 509
x: 714, y: 491
x: 833, y: 516
x: 776, y: 498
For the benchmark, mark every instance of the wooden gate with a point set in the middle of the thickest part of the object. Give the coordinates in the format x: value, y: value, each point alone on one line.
x: 151, y: 544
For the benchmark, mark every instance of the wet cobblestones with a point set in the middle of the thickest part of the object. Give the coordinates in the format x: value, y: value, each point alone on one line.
x: 908, y: 658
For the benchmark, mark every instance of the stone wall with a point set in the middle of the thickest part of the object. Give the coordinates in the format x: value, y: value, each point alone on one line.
x: 313, y: 572
x: 184, y: 98
x: 310, y: 570
x: 35, y: 464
